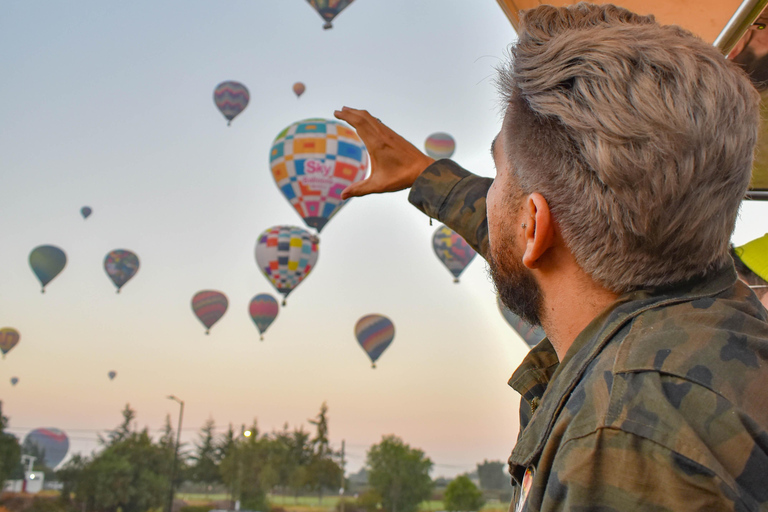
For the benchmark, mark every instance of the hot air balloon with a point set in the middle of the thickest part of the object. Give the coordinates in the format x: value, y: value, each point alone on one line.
x: 530, y: 334
x: 47, y: 262
x: 50, y: 441
x: 121, y: 265
x: 452, y: 250
x: 231, y: 98
x: 440, y: 145
x: 298, y: 89
x: 9, y: 337
x: 329, y: 9
x: 312, y: 161
x: 112, y: 375
x: 286, y: 256
x: 14, y: 381
x: 209, y: 306
x: 263, y: 310
x: 374, y: 333
x: 86, y: 211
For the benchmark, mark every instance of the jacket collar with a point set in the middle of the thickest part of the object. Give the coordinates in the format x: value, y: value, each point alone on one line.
x: 533, y: 373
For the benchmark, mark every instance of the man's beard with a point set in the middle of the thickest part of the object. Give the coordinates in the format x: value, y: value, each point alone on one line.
x: 517, y: 288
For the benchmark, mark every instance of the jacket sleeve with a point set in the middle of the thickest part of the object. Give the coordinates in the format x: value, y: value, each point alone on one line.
x: 613, y: 470
x: 456, y: 197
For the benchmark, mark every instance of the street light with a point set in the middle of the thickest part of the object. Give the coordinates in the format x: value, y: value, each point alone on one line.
x: 176, y: 450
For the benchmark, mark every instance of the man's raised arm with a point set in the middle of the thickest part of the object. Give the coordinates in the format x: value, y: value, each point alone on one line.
x: 443, y: 190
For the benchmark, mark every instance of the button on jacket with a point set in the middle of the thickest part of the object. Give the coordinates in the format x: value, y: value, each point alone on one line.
x: 661, y: 403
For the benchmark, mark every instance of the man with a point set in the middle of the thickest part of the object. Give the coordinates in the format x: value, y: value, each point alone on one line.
x: 624, y: 153
x: 751, y: 261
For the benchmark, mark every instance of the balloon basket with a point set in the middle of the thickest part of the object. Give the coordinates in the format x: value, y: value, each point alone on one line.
x: 261, y: 338
x: 456, y: 280
x: 373, y: 366
x: 42, y: 291
x: 207, y: 333
x: 328, y: 26
x: 430, y: 221
x: 284, y: 303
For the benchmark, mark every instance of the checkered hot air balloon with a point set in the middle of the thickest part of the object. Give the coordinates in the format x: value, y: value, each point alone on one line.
x: 312, y: 162
x: 209, y: 306
x: 374, y: 333
x: 286, y: 255
x: 452, y: 250
x: 231, y: 98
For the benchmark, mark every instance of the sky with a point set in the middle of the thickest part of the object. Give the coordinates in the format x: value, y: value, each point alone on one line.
x: 109, y: 104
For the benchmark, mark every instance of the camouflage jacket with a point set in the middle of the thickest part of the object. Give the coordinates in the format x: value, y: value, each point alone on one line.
x: 661, y: 403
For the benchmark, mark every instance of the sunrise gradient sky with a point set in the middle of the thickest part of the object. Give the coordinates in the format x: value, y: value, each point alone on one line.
x: 108, y: 104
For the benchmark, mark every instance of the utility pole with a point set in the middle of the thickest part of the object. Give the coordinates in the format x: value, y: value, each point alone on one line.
x: 175, y: 451
x: 343, y: 464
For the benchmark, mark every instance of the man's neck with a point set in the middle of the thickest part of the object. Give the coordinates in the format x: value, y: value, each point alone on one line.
x: 570, y: 303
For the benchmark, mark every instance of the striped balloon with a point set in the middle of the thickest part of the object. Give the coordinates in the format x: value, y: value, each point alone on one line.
x: 9, y: 337
x: 452, y: 250
x: 374, y: 333
x: 121, y: 265
x: 530, y: 334
x: 286, y: 255
x: 231, y: 98
x: 440, y: 145
x: 52, y: 442
x: 47, y: 261
x: 209, y: 306
x: 263, y: 310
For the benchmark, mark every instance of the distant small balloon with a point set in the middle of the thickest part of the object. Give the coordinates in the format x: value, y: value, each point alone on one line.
x: 298, y: 89
x: 263, y: 310
x: 231, y: 98
x: 286, y: 255
x: 209, y: 306
x: 121, y: 265
x: 530, y: 334
x: 86, y: 211
x: 440, y: 145
x: 452, y: 250
x: 112, y: 375
x: 9, y: 338
x: 14, y: 381
x: 329, y: 9
x: 47, y: 261
x: 374, y: 333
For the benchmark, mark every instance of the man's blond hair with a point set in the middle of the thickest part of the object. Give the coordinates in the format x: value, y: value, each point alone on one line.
x: 640, y: 137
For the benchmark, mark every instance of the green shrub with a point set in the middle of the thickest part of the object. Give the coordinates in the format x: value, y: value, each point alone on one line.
x: 463, y: 495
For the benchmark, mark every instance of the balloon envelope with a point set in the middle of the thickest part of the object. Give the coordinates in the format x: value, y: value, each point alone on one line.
x: 231, y: 98
x: 530, y: 334
x: 112, y: 375
x: 298, y: 89
x: 263, y: 310
x: 286, y: 255
x: 312, y: 161
x: 374, y: 333
x: 86, y: 211
x: 329, y: 9
x: 209, y: 306
x: 14, y: 381
x: 52, y: 441
x: 452, y: 250
x: 440, y: 145
x: 9, y: 337
x: 47, y: 261
x: 121, y: 265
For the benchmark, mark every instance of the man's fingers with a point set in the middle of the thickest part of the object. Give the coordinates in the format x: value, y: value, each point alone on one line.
x: 361, y: 188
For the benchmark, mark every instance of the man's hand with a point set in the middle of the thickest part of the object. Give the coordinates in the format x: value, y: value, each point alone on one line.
x: 395, y: 162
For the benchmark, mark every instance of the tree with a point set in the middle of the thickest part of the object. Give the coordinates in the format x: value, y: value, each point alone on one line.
x: 205, y: 460
x: 399, y: 473
x: 462, y: 495
x: 123, y: 430
x: 322, y: 472
x: 10, y: 450
x: 243, y: 469
x: 493, y: 476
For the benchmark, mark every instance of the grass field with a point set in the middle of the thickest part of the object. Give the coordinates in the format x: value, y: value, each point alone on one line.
x: 312, y: 504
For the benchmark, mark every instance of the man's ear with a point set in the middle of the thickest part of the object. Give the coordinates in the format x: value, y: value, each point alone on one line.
x: 539, y: 231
